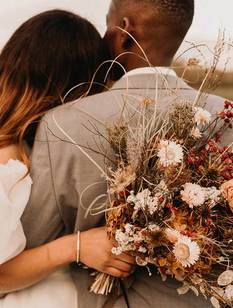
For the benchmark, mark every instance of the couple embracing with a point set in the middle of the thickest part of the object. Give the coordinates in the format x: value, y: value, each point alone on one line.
x: 49, y: 173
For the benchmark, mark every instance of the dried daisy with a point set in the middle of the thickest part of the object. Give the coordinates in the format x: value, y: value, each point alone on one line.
x: 186, y: 251
x: 193, y: 195
x: 202, y: 117
x: 195, y: 133
x: 121, y: 179
x: 170, y: 153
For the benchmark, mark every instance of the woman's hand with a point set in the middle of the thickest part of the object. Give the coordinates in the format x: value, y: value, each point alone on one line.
x: 96, y: 252
x: 33, y: 265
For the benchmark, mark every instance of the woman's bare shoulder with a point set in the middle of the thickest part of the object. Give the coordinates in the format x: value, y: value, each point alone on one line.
x: 10, y: 152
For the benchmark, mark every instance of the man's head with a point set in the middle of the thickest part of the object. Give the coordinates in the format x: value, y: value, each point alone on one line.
x: 159, y: 27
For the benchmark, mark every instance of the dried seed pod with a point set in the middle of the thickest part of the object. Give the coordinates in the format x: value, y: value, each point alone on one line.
x: 225, y: 278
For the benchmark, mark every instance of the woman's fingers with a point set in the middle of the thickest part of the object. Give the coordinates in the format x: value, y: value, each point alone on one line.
x: 116, y: 273
x: 122, y: 266
x: 126, y: 258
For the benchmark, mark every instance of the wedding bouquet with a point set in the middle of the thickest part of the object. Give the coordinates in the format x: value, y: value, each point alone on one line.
x: 171, y: 197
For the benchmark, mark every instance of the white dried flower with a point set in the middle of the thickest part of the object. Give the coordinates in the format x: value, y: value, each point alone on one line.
x: 125, y: 241
x: 142, y: 249
x: 202, y: 117
x: 121, y: 236
x: 186, y: 251
x: 225, y: 278
x: 195, y: 133
x: 140, y: 261
x: 193, y: 195
x: 117, y: 251
x: 170, y: 153
x: 129, y: 229
x: 138, y: 237
x: 212, y: 193
x: 229, y: 292
x: 153, y: 205
x: 215, y: 302
x: 143, y: 200
x: 153, y: 227
x: 129, y: 247
x: 121, y: 178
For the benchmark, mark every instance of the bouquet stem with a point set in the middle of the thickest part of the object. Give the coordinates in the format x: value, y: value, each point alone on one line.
x: 103, y: 284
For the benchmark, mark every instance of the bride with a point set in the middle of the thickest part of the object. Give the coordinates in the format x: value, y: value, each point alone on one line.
x: 48, y: 55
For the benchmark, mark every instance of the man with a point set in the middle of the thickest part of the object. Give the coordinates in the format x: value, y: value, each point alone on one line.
x: 144, y: 35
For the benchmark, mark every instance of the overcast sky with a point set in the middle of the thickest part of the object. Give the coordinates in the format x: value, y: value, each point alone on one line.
x: 210, y: 16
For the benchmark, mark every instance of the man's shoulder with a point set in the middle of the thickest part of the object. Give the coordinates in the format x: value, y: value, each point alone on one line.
x: 104, y: 106
x: 215, y: 102
x: 75, y: 117
x: 99, y: 106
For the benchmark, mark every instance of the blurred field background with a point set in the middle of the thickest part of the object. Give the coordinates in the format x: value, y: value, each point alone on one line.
x: 213, y: 59
x: 225, y: 89
x: 194, y: 77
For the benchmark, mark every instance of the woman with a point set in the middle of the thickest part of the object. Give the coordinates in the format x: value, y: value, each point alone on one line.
x: 47, y: 56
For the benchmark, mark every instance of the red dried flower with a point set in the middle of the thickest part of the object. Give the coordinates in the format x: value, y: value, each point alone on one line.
x: 227, y: 104
x: 222, y: 115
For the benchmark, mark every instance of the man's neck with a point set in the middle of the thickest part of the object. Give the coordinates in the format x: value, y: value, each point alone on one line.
x: 132, y: 65
x: 166, y: 71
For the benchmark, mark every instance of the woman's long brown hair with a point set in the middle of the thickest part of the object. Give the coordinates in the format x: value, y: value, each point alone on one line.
x: 48, y: 55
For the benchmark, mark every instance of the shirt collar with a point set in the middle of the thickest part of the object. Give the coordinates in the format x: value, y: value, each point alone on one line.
x: 151, y: 70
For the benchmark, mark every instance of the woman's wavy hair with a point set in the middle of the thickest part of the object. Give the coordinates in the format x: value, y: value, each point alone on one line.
x: 47, y: 56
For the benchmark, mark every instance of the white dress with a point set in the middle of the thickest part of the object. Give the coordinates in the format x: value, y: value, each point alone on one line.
x: 58, y: 289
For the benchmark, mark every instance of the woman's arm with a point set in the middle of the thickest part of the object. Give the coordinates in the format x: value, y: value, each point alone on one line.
x: 33, y: 265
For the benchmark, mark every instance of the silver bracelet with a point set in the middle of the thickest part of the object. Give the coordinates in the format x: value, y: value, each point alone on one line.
x: 78, y: 247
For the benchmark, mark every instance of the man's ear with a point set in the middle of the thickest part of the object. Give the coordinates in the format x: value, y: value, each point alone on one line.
x: 126, y: 38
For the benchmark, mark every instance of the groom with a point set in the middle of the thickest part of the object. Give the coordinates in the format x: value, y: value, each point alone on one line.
x: 68, y: 175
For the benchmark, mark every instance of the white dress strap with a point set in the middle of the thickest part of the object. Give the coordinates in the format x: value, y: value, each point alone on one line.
x: 15, y: 189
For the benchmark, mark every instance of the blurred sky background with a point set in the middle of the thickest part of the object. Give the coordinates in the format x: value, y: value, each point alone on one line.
x: 210, y: 16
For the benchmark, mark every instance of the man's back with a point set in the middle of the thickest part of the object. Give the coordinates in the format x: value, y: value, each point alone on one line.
x: 68, y: 162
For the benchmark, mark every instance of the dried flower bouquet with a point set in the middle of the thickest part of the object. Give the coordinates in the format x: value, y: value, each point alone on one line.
x: 171, y: 198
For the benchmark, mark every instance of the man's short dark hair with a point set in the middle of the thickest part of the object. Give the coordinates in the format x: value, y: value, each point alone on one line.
x: 182, y: 10
x: 177, y: 8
